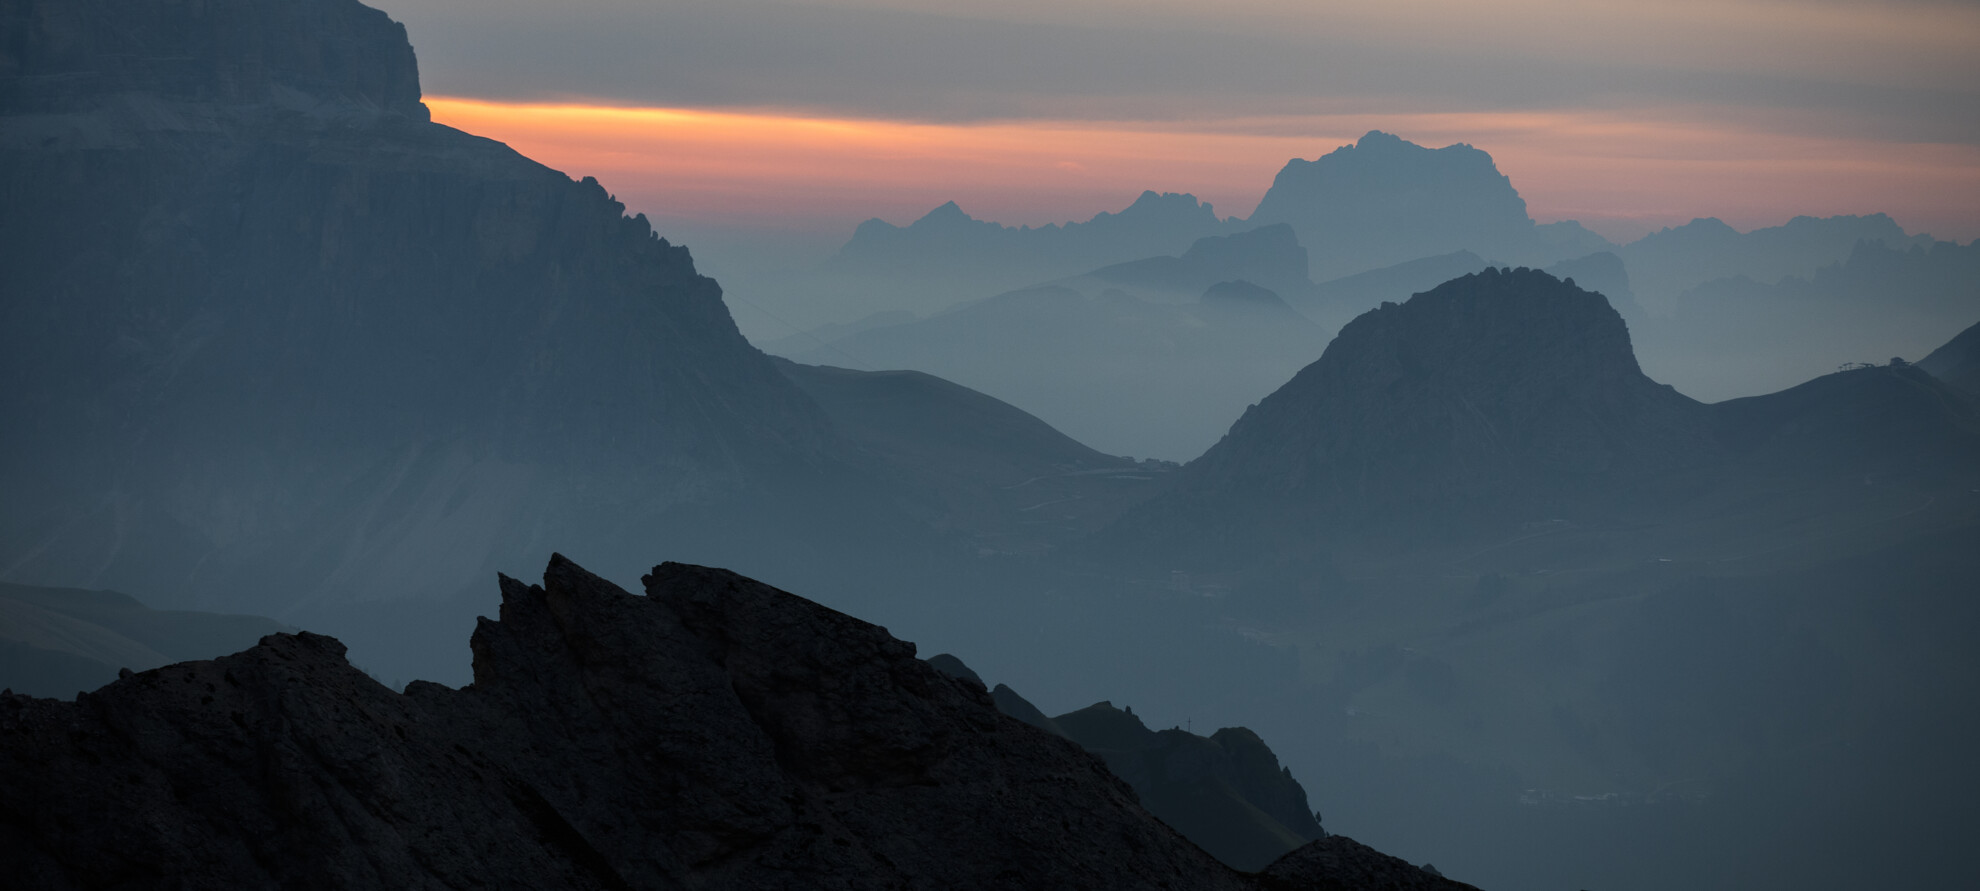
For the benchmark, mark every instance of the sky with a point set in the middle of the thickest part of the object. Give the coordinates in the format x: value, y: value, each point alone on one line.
x: 811, y: 115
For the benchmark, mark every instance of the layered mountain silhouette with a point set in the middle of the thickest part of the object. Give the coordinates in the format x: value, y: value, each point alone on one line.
x: 1958, y: 361
x: 1377, y: 203
x: 1536, y: 593
x: 1668, y: 262
x: 1738, y: 336
x: 972, y: 462
x: 716, y: 731
x: 1124, y: 374
x: 1511, y: 396
x: 1226, y: 792
x: 949, y: 244
x: 273, y: 338
x: 1268, y: 256
x: 1385, y: 200
x: 58, y: 641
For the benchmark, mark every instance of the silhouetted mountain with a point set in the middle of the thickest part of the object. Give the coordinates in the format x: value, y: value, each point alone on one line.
x: 1739, y: 336
x: 1384, y: 200
x: 273, y: 340
x: 1510, y: 396
x: 1958, y: 362
x: 948, y: 243
x: 1269, y: 256
x: 1603, y: 273
x: 1511, y: 389
x: 1536, y: 594
x: 715, y: 732
x: 1334, y: 303
x: 967, y: 461
x: 1225, y: 792
x: 1667, y: 262
x: 57, y: 641
x: 1126, y: 375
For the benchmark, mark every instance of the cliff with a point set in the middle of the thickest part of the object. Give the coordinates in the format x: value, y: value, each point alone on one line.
x: 268, y: 323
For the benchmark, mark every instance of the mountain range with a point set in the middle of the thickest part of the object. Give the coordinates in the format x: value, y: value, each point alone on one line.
x: 278, y: 344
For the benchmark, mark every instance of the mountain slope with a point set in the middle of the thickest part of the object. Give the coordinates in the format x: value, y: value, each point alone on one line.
x: 965, y: 461
x: 273, y: 338
x: 1125, y: 375
x: 716, y: 732
x: 1958, y: 361
x: 57, y: 641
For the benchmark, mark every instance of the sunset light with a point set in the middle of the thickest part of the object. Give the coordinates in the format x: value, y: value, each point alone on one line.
x: 1620, y: 175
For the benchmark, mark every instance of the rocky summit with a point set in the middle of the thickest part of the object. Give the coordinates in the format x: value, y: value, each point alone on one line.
x: 1502, y: 387
x: 716, y: 732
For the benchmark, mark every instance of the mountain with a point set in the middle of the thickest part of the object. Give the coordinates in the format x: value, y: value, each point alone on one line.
x: 1666, y: 263
x: 715, y: 732
x: 1507, y: 392
x: 1123, y: 374
x: 947, y: 243
x: 57, y: 641
x: 1741, y: 336
x: 1510, y: 396
x: 1385, y: 200
x: 272, y: 338
x: 1542, y: 602
x: 1225, y: 792
x: 1958, y: 361
x: 1337, y: 301
x: 971, y: 462
x: 1268, y: 256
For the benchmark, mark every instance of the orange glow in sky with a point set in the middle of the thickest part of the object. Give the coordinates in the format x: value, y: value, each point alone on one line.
x: 1619, y: 175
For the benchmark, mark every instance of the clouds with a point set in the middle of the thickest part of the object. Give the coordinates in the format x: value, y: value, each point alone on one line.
x: 1908, y: 71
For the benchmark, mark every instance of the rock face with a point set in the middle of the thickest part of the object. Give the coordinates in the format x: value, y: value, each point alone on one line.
x: 265, y: 322
x: 1385, y: 200
x: 54, y: 56
x: 714, y: 733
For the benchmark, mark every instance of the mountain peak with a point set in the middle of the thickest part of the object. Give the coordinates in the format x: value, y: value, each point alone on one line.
x: 1386, y: 200
x: 1476, y: 391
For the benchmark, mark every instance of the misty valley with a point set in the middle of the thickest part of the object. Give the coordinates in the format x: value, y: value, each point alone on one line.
x: 384, y: 508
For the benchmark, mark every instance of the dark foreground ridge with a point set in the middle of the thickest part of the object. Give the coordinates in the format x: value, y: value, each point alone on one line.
x: 715, y: 733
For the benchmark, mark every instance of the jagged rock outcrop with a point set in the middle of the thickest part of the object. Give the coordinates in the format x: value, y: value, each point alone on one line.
x: 715, y: 733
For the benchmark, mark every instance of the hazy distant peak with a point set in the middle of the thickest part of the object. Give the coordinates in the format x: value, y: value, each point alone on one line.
x: 1386, y: 200
x: 948, y: 211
